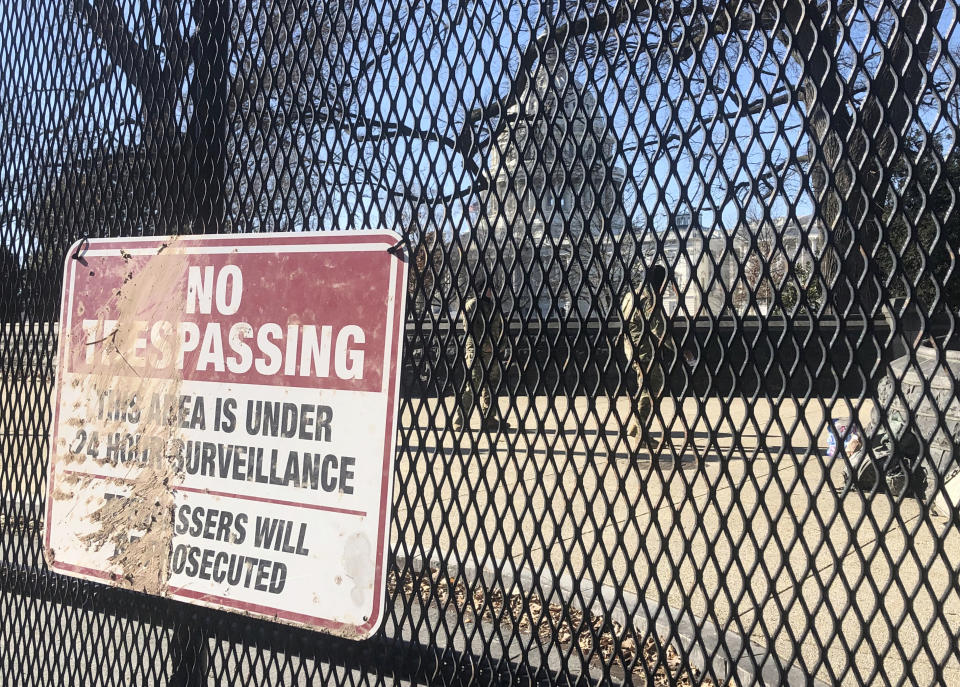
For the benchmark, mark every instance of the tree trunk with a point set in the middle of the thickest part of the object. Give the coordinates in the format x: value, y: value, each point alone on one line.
x: 852, y: 150
x: 205, y: 147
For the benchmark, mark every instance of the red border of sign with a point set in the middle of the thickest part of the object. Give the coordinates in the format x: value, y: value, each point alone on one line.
x: 380, y: 236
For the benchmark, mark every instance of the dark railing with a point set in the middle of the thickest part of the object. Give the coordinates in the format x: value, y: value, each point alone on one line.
x: 791, y: 157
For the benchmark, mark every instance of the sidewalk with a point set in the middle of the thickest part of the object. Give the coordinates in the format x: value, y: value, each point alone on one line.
x: 745, y: 529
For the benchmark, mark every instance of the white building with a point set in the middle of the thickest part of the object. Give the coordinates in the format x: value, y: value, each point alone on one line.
x: 688, y: 252
x: 554, y: 209
x: 787, y: 248
x: 713, y: 272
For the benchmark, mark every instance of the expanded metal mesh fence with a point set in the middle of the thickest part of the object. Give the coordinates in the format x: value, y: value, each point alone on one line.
x: 679, y: 398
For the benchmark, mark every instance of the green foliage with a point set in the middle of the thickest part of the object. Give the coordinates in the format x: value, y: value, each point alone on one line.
x: 812, y: 289
x: 918, y: 256
x: 10, y: 303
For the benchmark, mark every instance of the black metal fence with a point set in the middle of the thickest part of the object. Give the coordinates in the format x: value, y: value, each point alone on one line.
x: 793, y: 165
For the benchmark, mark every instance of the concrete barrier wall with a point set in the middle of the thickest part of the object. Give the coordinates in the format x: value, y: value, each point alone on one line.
x: 748, y: 357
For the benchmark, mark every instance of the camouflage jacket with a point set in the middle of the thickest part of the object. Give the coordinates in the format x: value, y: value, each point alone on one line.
x: 644, y: 325
x: 485, y: 328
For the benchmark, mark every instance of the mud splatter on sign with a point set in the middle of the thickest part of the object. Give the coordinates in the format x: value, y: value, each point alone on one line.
x: 224, y: 424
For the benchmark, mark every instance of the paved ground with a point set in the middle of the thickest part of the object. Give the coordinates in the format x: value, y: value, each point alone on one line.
x: 745, y: 529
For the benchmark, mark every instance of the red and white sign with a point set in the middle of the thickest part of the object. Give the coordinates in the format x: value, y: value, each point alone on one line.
x: 225, y: 418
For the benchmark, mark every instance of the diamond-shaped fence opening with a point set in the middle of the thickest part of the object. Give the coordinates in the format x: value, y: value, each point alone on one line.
x: 679, y: 386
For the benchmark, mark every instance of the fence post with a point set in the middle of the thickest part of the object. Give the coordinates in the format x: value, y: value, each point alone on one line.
x: 190, y: 656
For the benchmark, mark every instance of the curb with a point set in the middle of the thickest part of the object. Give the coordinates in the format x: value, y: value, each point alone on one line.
x: 721, y: 654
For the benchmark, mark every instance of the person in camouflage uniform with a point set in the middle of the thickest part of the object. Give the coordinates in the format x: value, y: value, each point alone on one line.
x: 645, y: 325
x: 483, y: 349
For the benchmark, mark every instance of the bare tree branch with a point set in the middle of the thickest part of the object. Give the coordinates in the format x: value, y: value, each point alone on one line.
x: 600, y: 21
x: 108, y: 73
x: 105, y: 21
x: 172, y: 41
x: 768, y: 180
x: 467, y: 143
x: 753, y: 107
x: 145, y: 17
x: 476, y: 186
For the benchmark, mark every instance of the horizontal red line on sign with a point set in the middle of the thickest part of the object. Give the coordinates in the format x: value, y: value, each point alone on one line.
x: 227, y: 494
x: 281, y: 502
x: 260, y: 609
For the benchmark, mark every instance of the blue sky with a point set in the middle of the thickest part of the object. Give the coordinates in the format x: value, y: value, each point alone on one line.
x: 439, y: 70
x: 431, y: 87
